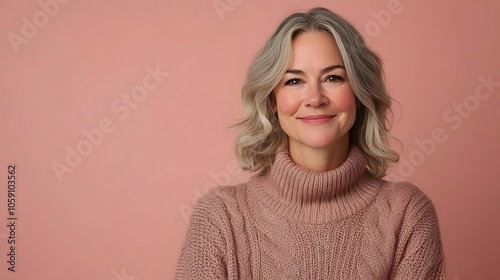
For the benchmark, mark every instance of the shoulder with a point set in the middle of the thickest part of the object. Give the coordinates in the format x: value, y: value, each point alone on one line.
x: 407, y: 199
x: 403, y: 192
x: 221, y: 195
x: 218, y: 202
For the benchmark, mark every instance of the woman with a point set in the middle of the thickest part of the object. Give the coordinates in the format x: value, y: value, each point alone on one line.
x: 318, y: 207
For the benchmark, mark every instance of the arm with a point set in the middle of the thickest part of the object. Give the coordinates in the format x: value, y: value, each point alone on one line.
x: 420, y: 254
x: 202, y: 256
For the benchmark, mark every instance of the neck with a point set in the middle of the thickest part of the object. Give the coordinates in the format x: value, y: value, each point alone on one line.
x: 320, y: 159
x: 303, y: 195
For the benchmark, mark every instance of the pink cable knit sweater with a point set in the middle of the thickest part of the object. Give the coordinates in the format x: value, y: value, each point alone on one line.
x: 292, y: 223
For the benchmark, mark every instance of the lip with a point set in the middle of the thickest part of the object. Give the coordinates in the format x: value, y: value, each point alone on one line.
x: 317, y: 119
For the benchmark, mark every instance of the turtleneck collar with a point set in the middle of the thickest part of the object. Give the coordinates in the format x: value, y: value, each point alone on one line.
x: 315, y: 197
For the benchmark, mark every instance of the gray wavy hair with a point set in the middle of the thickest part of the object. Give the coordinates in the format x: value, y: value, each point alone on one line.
x: 261, y: 135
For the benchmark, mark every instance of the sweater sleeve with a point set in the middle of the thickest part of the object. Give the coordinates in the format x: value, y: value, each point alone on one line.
x: 202, y: 255
x: 421, y: 247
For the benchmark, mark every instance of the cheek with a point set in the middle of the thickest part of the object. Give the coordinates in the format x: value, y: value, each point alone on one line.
x: 345, y: 100
x: 287, y: 104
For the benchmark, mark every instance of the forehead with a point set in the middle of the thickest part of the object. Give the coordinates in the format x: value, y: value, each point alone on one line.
x: 315, y: 48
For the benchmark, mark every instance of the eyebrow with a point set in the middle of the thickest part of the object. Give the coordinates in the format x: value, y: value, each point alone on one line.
x: 325, y: 70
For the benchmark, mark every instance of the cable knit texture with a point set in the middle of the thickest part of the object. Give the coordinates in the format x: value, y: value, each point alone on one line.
x: 293, y: 223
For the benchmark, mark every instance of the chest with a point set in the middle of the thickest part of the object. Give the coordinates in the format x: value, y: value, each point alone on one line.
x: 267, y: 246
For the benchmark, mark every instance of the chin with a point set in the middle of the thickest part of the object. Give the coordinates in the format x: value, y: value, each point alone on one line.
x: 320, y: 143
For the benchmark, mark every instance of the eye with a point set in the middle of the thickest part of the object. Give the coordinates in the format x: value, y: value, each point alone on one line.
x: 293, y: 82
x: 334, y: 78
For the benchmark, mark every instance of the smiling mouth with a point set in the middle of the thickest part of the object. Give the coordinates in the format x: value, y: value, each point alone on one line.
x: 317, y: 119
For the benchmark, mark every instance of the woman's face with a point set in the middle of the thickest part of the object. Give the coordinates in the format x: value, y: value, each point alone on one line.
x: 314, y: 100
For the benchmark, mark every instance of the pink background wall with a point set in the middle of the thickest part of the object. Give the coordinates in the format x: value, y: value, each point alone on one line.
x: 120, y: 209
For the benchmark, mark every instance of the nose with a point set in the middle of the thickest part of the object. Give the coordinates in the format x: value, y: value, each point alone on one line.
x: 315, y: 97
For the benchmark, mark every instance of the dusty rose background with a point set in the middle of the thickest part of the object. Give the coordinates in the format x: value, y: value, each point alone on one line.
x: 71, y: 68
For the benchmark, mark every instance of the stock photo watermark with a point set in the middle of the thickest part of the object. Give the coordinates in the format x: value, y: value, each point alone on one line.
x: 382, y: 18
x: 12, y: 215
x: 31, y: 26
x: 224, y: 6
x: 122, y: 275
x: 373, y: 28
x: 219, y: 178
x: 453, y: 118
x: 121, y: 107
